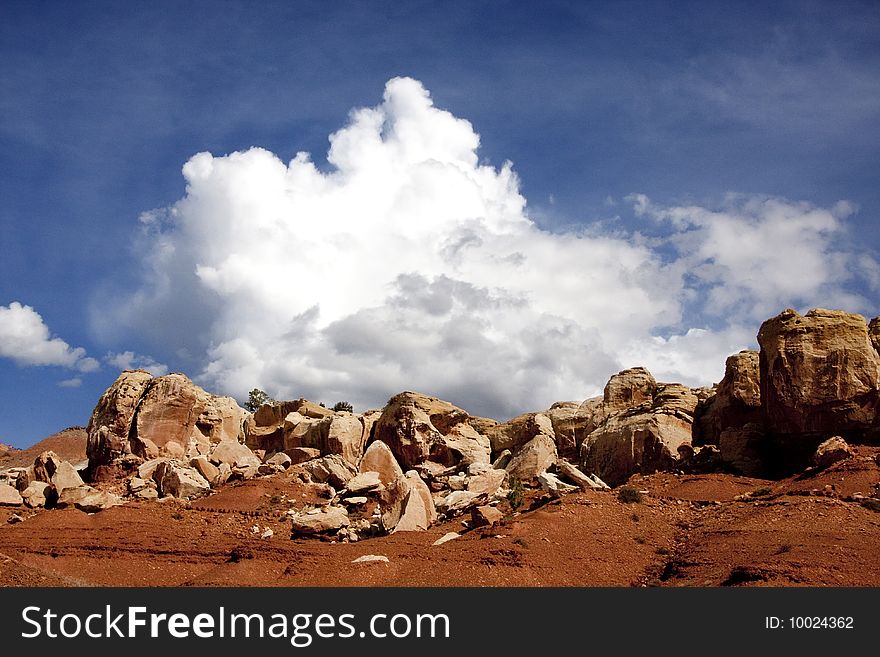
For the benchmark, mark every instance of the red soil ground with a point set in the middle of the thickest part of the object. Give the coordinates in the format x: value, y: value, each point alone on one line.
x: 688, y: 530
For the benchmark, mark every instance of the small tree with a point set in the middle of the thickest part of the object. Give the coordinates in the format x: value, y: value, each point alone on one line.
x: 257, y: 398
x: 343, y: 406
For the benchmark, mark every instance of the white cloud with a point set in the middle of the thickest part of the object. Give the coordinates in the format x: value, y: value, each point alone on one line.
x: 75, y: 382
x: 128, y: 360
x: 409, y: 264
x: 25, y: 339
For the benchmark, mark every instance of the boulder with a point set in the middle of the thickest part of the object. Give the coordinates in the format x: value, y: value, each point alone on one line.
x: 460, y: 500
x: 319, y: 521
x: 736, y: 402
x: 486, y: 483
x: 629, y: 389
x: 147, y: 470
x: 175, y: 480
x: 572, y: 423
x: 25, y: 477
x: 345, y: 436
x: 449, y: 536
x: 280, y: 459
x: 172, y: 450
x: 379, y: 458
x: 512, y: 435
x: 485, y: 516
x: 9, y: 496
x: 45, y: 466
x: 332, y: 469
x: 97, y: 500
x: 574, y: 475
x: 65, y: 476
x: 417, y: 428
x: 208, y: 470
x: 408, y: 505
x: 302, y: 454
x: 363, y: 482
x: 820, y: 377
x: 371, y: 558
x: 234, y: 454
x: 533, y: 458
x: 645, y: 438
x: 831, y: 451
x: 35, y: 494
x: 554, y: 485
x: 110, y: 424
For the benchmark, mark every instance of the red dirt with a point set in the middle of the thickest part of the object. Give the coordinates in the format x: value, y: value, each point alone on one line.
x: 689, y: 530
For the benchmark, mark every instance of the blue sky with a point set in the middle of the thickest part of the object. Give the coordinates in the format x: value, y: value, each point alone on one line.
x: 640, y: 133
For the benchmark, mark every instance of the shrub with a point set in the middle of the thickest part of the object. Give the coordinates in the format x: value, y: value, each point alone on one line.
x: 343, y: 406
x: 629, y: 495
x: 516, y: 494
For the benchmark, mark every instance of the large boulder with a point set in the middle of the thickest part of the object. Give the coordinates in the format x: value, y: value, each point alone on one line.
x: 533, y: 458
x: 9, y: 496
x: 645, y: 438
x: 572, y: 423
x: 174, y: 409
x: 141, y: 416
x: 379, y: 458
x: 408, y: 504
x: 110, y: 424
x: 345, y: 436
x: 417, y: 428
x: 629, y: 388
x: 175, y: 480
x: 820, y: 377
x: 737, y: 399
x: 319, y: 521
x: 515, y: 433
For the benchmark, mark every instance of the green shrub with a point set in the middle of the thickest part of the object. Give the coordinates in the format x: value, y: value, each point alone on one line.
x: 257, y: 398
x: 343, y: 406
x: 517, y: 493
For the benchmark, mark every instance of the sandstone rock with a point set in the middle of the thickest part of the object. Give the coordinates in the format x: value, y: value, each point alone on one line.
x: 233, y: 453
x: 345, y: 436
x: 14, y: 519
x: 25, y: 477
x: 175, y: 480
x: 645, y: 438
x: 65, y: 476
x: 460, y: 500
x: 554, y: 485
x: 35, y: 495
x: 485, y: 516
x: 736, y: 402
x: 746, y: 450
x: 319, y: 521
x: 534, y: 458
x: 486, y: 483
x: 332, y: 469
x: 571, y: 473
x: 45, y: 466
x: 503, y: 459
x: 302, y: 454
x: 363, y: 482
x: 173, y: 408
x: 172, y: 450
x: 408, y: 504
x: 70, y: 496
x: 874, y: 333
x: 355, y: 501
x: 371, y: 558
x: 517, y: 432
x: 820, y: 376
x: 208, y: 470
x: 110, y: 424
x: 379, y: 458
x: 145, y: 448
x: 630, y: 388
x: 831, y: 451
x: 572, y: 423
x: 280, y: 459
x: 95, y: 500
x: 9, y: 496
x: 449, y: 536
x: 417, y: 428
x: 147, y: 470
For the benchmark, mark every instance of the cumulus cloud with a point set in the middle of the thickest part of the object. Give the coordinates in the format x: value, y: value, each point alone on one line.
x: 409, y: 263
x: 26, y: 340
x: 75, y: 382
x: 128, y: 360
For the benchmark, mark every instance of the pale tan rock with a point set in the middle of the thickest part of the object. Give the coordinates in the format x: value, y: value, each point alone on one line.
x: 737, y: 400
x: 533, y: 458
x: 379, y: 458
x: 407, y: 504
x: 280, y: 459
x: 345, y: 436
x: 820, y: 375
x: 179, y: 481
x: 417, y: 428
x: 65, y: 476
x: 363, y: 482
x: 831, y: 451
x: 449, y: 536
x: 319, y: 521
x: 147, y: 469
x: 9, y: 496
x: 35, y: 494
x: 485, y: 516
x: 172, y: 450
x: 515, y: 433
x: 110, y: 424
x: 233, y: 453
x: 574, y: 475
x: 25, y: 477
x: 45, y: 466
x: 299, y: 455
x: 629, y: 389
x: 145, y: 448
x: 332, y: 469
x: 208, y: 470
x: 486, y: 483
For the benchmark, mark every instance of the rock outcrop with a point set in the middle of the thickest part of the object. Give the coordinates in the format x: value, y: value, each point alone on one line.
x: 419, y: 428
x: 144, y: 417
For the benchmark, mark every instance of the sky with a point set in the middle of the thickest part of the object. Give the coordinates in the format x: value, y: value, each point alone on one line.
x: 500, y: 204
